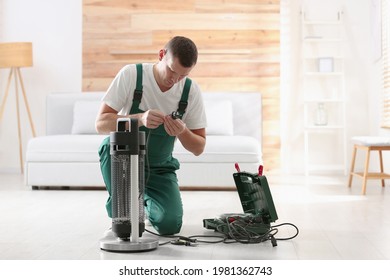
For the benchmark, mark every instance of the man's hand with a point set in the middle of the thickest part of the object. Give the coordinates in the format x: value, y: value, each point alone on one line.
x: 152, y: 118
x: 173, y: 127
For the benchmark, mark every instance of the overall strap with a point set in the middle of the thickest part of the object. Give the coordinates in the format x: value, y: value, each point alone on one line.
x: 138, y: 90
x: 184, y: 97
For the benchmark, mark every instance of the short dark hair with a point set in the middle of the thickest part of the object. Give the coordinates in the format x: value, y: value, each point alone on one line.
x: 184, y: 49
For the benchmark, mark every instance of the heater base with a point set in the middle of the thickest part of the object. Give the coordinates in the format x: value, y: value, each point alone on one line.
x: 115, y: 244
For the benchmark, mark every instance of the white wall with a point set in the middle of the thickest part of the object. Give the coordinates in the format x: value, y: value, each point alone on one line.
x: 54, y: 27
x: 360, y: 71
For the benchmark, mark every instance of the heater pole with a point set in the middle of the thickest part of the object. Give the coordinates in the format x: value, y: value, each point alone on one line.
x: 134, y: 199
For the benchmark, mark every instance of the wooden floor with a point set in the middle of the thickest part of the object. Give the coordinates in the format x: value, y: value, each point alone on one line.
x: 335, y: 223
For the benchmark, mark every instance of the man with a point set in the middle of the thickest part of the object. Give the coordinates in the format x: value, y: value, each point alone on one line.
x: 164, y: 87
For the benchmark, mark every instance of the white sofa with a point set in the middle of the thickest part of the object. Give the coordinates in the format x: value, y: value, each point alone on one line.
x: 67, y: 154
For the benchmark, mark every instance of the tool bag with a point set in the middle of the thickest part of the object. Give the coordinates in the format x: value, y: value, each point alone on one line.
x: 256, y: 201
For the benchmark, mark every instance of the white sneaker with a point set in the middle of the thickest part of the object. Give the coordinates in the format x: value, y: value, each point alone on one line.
x: 147, y: 223
x: 109, y: 234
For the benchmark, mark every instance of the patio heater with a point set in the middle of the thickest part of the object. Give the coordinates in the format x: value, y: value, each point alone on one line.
x: 127, y: 150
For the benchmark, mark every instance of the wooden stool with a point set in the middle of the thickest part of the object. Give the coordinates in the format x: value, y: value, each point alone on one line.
x: 369, y: 143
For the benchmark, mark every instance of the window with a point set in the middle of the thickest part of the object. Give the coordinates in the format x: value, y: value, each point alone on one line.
x: 386, y: 63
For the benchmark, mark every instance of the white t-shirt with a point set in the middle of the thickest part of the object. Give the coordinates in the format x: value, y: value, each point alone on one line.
x: 120, y: 94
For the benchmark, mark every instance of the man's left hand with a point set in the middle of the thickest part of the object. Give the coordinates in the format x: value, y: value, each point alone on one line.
x: 173, y: 127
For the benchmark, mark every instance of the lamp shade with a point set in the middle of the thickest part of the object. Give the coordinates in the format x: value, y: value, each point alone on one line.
x: 16, y: 54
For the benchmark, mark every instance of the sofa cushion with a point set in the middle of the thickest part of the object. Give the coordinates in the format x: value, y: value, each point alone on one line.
x: 219, y: 117
x: 84, y: 116
x: 223, y: 149
x: 84, y: 148
x: 64, y: 148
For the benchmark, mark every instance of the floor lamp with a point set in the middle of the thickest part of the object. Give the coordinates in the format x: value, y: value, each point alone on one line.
x: 14, y: 56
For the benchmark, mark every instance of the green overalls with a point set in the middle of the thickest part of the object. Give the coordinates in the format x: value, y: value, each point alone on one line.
x: 162, y: 195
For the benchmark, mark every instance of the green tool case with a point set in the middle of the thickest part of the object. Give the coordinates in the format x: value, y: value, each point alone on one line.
x: 256, y: 201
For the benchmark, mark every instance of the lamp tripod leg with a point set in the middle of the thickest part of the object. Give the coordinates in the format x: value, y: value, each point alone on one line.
x: 6, y: 94
x: 26, y: 102
x: 19, y: 128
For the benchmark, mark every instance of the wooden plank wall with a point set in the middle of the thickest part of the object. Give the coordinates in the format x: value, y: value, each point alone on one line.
x: 238, y: 42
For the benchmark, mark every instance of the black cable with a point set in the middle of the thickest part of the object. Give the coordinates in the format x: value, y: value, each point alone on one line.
x: 190, y: 240
x: 237, y: 232
x: 240, y: 233
x: 238, y: 229
x: 222, y: 237
x: 287, y: 224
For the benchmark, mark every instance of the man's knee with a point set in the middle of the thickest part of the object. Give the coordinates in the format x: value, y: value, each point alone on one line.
x: 166, y: 220
x: 169, y: 225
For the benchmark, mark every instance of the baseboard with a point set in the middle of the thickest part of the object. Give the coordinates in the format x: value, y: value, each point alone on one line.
x: 209, y: 188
